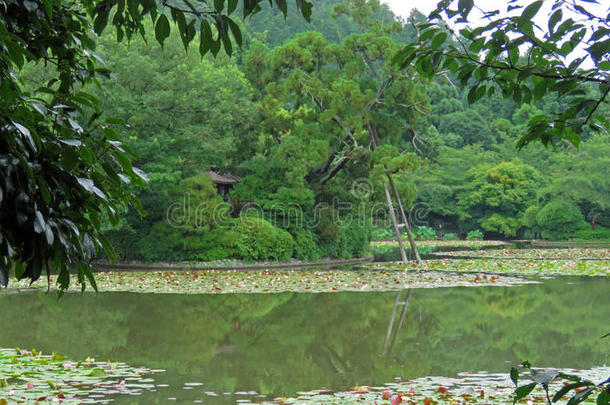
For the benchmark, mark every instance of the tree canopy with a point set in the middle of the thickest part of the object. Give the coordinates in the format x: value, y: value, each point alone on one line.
x: 304, y: 114
x: 63, y: 168
x: 567, y: 55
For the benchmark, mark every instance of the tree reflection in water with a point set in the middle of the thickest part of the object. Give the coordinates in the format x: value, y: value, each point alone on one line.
x: 278, y: 344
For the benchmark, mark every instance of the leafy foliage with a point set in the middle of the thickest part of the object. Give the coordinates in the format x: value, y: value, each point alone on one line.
x: 296, y: 125
x: 581, y: 388
x: 64, y: 169
x: 474, y: 234
x: 322, y: 106
x: 424, y: 232
x: 258, y: 239
x: 559, y: 219
x: 592, y: 234
x: 496, y: 196
x: 194, y: 227
x: 523, y: 61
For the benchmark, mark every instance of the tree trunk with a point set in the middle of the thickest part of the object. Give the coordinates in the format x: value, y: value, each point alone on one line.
x: 391, y: 207
x: 404, y: 219
x: 388, y: 198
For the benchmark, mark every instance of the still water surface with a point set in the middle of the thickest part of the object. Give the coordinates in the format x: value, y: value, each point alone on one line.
x: 276, y: 345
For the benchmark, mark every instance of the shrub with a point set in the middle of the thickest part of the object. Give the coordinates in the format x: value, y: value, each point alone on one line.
x: 355, y: 238
x: 259, y: 240
x: 474, y: 234
x: 424, y: 232
x: 306, y: 245
x: 222, y: 244
x: 530, y: 221
x: 124, y: 240
x: 529, y: 218
x: 451, y: 236
x: 503, y: 224
x: 381, y: 234
x: 343, y: 238
x: 165, y: 243
x: 599, y: 233
x: 193, y: 233
x: 560, y: 219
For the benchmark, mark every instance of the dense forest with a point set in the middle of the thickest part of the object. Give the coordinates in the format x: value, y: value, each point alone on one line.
x: 290, y: 115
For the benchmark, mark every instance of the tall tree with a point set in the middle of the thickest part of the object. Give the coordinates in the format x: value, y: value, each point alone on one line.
x: 349, y: 97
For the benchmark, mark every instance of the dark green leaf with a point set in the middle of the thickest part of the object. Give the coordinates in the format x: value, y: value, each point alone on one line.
x: 304, y: 7
x: 90, y: 277
x: 514, y: 375
x: 555, y: 18
x: 523, y: 391
x: 581, y: 396
x: 231, y: 6
x: 603, y: 398
x: 531, y: 10
x: 438, y: 40
x: 205, y: 40
x: 465, y: 6
x: 235, y: 31
x: 429, y: 33
x: 567, y: 388
x: 162, y: 29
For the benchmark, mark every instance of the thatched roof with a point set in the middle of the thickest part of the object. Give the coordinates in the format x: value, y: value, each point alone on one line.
x: 222, y: 179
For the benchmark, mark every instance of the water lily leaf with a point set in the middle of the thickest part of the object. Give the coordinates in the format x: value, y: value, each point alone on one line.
x: 97, y: 372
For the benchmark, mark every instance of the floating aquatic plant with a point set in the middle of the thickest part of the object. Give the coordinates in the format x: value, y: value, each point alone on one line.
x: 28, y: 376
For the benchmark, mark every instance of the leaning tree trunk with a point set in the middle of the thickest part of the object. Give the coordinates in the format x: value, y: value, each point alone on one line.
x: 391, y: 207
x: 388, y: 198
x: 404, y: 219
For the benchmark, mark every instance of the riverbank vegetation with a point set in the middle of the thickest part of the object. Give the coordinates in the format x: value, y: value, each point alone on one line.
x: 276, y: 115
x: 302, y: 142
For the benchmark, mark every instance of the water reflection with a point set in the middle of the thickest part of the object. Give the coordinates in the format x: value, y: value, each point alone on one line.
x: 283, y: 343
x: 401, y: 303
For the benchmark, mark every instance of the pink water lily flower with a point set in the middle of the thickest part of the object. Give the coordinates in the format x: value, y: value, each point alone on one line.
x: 67, y: 366
x: 396, y: 400
x: 30, y: 386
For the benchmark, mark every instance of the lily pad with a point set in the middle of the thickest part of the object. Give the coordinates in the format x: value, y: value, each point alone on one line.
x: 27, y: 376
x: 466, y: 388
x: 470, y: 244
x: 514, y: 267
x: 559, y: 254
x: 371, y: 278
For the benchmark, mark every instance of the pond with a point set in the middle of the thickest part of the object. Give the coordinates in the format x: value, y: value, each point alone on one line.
x: 279, y: 344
